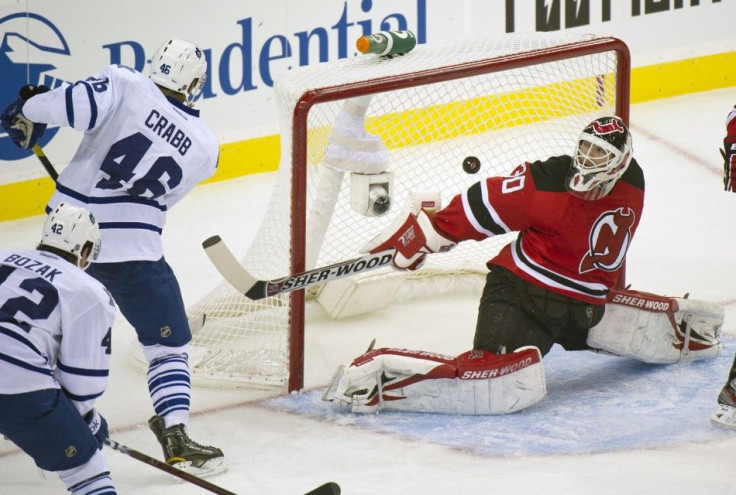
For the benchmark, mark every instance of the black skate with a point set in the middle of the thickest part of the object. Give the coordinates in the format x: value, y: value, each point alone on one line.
x: 183, y: 453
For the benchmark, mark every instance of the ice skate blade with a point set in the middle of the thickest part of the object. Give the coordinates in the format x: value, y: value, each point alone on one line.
x: 725, y: 417
x: 209, y: 468
x: 329, y: 393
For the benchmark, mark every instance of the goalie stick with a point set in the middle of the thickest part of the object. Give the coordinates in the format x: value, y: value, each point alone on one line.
x: 329, y: 488
x: 231, y: 269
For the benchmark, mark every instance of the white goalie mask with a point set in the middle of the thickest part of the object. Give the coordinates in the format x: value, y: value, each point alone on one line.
x: 70, y: 228
x: 602, y: 155
x: 176, y: 64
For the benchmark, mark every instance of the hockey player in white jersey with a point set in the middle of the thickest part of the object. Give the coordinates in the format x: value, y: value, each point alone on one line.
x: 55, y: 324
x: 144, y: 148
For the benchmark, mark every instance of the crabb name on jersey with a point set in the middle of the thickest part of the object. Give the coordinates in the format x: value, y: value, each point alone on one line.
x: 168, y: 131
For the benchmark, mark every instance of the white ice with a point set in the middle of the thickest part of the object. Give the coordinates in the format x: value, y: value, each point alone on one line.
x: 686, y: 243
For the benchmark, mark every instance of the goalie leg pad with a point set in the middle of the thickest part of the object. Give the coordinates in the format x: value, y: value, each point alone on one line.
x: 476, y: 382
x: 658, y: 329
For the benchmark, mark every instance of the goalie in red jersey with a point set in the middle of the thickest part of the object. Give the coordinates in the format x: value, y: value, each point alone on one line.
x: 554, y: 284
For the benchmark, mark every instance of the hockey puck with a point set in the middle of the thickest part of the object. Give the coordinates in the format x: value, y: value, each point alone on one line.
x: 471, y: 165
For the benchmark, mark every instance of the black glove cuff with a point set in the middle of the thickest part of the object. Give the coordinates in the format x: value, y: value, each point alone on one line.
x: 30, y: 90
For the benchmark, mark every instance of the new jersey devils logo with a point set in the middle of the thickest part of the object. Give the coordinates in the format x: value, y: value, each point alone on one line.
x: 608, y: 127
x: 609, y: 240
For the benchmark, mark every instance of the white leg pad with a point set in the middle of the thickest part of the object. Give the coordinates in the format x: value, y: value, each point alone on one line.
x: 658, y: 329
x: 476, y: 382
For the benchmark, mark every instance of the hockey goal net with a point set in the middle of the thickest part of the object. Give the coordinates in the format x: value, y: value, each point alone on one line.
x: 504, y: 100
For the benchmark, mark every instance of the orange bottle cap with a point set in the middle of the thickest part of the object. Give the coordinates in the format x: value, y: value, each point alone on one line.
x: 363, y: 44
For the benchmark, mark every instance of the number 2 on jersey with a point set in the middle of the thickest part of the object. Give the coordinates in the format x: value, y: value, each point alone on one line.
x: 34, y: 310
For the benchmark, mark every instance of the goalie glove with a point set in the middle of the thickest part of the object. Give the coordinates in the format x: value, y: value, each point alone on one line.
x: 24, y: 133
x: 413, y: 240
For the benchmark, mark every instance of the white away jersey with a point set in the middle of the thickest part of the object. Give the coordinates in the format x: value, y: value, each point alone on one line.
x: 141, y: 153
x: 55, y: 327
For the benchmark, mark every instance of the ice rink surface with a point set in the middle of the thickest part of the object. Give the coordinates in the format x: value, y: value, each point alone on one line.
x: 607, y: 425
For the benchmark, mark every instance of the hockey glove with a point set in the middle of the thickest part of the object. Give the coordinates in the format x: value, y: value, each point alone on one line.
x: 97, y: 425
x: 728, y: 152
x: 413, y: 240
x: 24, y: 133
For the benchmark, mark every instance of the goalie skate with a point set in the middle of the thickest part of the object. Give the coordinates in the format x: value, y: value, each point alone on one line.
x: 338, y: 382
x: 329, y: 393
x: 725, y: 415
x: 353, y: 397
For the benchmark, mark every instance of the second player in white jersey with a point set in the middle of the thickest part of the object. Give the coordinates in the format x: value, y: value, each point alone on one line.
x: 41, y: 294
x: 141, y: 153
x: 55, y: 346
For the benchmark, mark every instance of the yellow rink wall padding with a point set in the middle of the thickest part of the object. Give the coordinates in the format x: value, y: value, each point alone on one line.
x: 252, y: 156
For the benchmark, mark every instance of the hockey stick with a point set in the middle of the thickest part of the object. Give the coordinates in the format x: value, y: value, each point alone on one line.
x: 140, y: 456
x: 329, y: 488
x: 231, y: 269
x: 45, y: 162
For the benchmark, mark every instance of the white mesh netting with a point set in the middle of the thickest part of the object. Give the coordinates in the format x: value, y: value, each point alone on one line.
x: 526, y: 106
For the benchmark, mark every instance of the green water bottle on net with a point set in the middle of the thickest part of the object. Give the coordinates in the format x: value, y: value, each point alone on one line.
x: 387, y: 43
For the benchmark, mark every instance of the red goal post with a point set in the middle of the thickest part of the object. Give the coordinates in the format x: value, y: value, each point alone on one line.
x: 505, y: 99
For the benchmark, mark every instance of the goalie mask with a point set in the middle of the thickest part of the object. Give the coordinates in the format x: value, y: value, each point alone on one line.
x: 70, y: 229
x: 176, y: 65
x: 602, y: 156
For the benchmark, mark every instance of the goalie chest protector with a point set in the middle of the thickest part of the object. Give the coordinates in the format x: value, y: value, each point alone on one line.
x: 566, y: 244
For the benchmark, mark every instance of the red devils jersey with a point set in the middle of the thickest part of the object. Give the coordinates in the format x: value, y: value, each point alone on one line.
x: 730, y: 139
x: 731, y: 124
x: 566, y: 244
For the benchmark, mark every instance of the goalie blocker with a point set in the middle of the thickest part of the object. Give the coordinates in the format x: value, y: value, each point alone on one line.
x: 640, y: 325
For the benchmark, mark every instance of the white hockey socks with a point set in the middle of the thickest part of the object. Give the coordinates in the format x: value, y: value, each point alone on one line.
x: 475, y: 382
x: 658, y: 329
x: 91, y: 477
x: 169, y: 383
